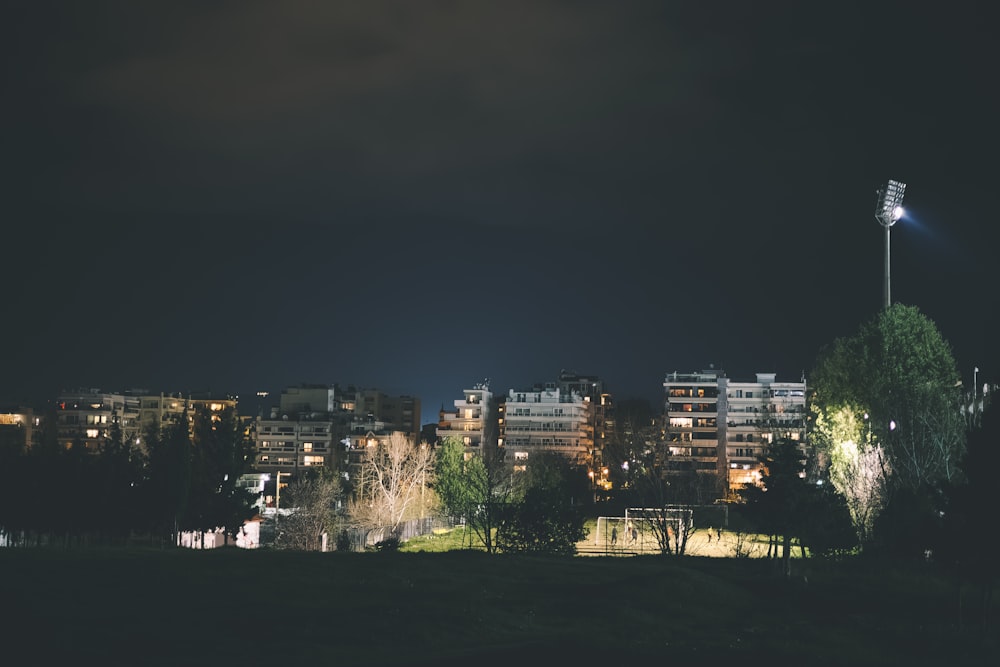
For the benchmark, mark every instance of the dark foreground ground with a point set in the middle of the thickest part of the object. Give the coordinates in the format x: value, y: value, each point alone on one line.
x: 236, y: 607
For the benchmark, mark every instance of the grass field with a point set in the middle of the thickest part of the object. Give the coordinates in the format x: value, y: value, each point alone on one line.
x: 237, y: 607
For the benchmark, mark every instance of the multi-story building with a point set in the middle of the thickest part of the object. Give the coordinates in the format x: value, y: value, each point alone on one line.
x: 471, y: 418
x: 757, y: 413
x: 320, y: 425
x: 162, y: 410
x: 397, y: 413
x: 544, y: 419
x: 718, y: 428
x: 601, y: 410
x: 86, y: 416
x: 20, y: 428
x: 304, y: 430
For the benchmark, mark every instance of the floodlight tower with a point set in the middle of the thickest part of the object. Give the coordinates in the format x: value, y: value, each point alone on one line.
x: 889, y: 209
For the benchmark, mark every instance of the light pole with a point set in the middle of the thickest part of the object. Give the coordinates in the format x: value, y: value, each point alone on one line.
x: 889, y: 209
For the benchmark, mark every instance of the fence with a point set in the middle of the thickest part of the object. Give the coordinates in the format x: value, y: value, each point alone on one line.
x: 359, y: 539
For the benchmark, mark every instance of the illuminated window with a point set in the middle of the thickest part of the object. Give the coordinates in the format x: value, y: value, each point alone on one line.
x: 93, y: 432
x: 312, y: 460
x: 520, y: 456
x: 307, y: 447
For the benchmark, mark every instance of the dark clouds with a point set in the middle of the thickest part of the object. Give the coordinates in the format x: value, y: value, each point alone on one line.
x: 419, y: 195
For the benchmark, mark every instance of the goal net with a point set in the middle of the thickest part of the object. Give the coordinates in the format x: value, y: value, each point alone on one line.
x: 641, y: 530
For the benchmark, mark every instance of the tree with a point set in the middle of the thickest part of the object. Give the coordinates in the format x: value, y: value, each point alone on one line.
x: 828, y: 530
x: 313, y: 501
x: 544, y: 519
x: 219, y: 456
x: 968, y: 510
x: 886, y: 410
x: 117, y: 475
x: 781, y: 500
x: 168, y: 478
x: 663, y: 495
x: 450, y: 483
x: 631, y: 443
x: 392, y: 478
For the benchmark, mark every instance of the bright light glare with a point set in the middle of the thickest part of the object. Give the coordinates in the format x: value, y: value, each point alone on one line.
x: 897, y: 213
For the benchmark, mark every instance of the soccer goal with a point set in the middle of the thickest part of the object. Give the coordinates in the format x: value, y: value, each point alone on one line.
x: 642, y: 530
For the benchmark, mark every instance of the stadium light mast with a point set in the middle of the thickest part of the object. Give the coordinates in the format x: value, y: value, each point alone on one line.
x: 889, y: 209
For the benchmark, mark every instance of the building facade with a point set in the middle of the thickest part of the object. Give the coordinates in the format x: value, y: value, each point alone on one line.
x: 470, y: 419
x: 544, y: 419
x: 86, y: 417
x: 326, y: 425
x: 718, y: 427
x: 304, y: 430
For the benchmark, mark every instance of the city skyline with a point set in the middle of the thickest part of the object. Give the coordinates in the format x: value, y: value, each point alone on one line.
x: 249, y: 197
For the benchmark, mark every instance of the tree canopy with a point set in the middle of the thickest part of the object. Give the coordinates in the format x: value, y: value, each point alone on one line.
x: 886, y: 411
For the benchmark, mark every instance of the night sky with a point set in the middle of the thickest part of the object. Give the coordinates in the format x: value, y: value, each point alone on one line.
x: 416, y: 196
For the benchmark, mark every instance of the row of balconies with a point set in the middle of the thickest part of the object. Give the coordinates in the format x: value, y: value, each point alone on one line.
x: 767, y: 423
x: 523, y: 442
x: 541, y: 428
x: 291, y: 447
x: 767, y: 409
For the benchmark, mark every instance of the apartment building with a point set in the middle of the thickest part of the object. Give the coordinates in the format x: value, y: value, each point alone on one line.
x: 602, y: 416
x: 757, y: 413
x: 20, y: 428
x: 545, y: 419
x: 86, y: 416
x: 321, y: 425
x: 304, y: 430
x: 718, y: 427
x: 471, y: 418
x: 162, y: 410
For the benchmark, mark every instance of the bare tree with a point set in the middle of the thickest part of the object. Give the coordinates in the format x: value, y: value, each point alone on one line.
x: 313, y: 502
x: 661, y: 504
x: 860, y: 474
x: 392, y: 479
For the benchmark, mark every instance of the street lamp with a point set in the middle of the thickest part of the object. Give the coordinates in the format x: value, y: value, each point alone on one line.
x: 889, y: 209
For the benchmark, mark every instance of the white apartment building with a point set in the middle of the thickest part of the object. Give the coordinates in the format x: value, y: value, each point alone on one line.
x: 716, y: 426
x: 757, y: 413
x: 467, y: 421
x: 546, y: 419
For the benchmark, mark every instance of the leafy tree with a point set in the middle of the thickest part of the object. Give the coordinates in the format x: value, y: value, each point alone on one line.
x: 781, y: 501
x: 450, y: 483
x: 630, y: 445
x: 544, y: 519
x: 219, y: 455
x: 828, y: 530
x: 478, y: 488
x: 168, y: 477
x: 118, y: 468
x: 886, y: 409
